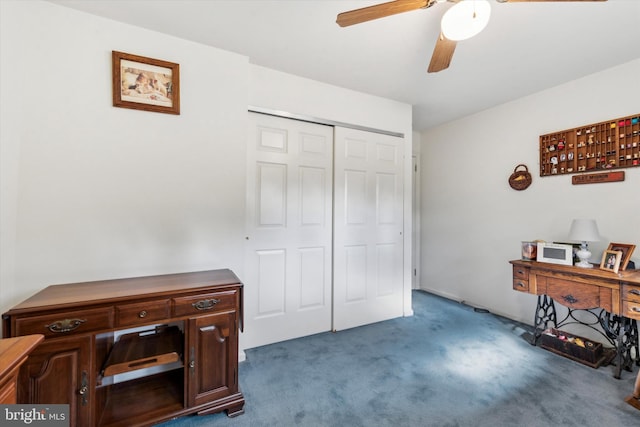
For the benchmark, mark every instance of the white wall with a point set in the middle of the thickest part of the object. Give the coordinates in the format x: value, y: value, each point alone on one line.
x: 96, y: 192
x: 90, y: 191
x: 472, y: 222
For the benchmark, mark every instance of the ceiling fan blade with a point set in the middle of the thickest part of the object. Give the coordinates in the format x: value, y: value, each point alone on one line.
x: 380, y: 11
x: 442, y: 54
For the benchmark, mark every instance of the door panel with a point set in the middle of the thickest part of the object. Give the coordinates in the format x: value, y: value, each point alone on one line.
x: 289, y: 230
x: 272, y: 193
x: 368, y: 226
x: 212, y: 344
x: 271, y: 282
x: 58, y: 372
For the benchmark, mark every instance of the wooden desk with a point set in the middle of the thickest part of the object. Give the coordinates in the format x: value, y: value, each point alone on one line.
x: 13, y: 353
x: 616, y: 294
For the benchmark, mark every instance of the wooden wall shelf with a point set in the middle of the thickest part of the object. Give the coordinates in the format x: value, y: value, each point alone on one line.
x: 603, y: 146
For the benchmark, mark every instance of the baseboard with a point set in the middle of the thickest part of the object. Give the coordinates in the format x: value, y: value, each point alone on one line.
x: 471, y: 304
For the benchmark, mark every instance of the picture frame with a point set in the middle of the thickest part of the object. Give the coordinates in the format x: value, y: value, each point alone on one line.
x: 626, y: 250
x: 611, y: 260
x: 148, y: 84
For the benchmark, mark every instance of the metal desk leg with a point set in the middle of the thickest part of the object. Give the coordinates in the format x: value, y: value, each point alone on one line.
x: 624, y: 332
x: 545, y: 314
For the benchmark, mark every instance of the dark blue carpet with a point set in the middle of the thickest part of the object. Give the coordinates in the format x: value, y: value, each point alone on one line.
x: 447, y: 365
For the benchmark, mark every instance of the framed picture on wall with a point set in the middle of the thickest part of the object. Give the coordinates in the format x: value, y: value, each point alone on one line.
x: 626, y: 250
x: 146, y: 84
x: 611, y: 260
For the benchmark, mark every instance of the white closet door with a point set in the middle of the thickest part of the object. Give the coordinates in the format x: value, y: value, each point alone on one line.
x: 287, y: 290
x: 368, y: 226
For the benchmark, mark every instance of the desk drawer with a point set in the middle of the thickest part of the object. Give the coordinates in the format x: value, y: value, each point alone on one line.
x: 204, y: 303
x: 631, y: 293
x: 631, y: 309
x: 143, y: 312
x: 520, y: 272
x: 520, y: 285
x: 574, y: 294
x: 66, y: 323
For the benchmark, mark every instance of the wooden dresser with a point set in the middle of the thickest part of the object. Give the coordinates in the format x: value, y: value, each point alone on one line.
x: 13, y: 353
x: 133, y: 352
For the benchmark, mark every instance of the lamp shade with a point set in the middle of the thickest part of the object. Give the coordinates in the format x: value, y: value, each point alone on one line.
x: 465, y: 19
x: 584, y: 230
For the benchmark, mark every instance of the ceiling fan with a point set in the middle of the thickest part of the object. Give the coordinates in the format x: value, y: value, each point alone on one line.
x: 471, y: 16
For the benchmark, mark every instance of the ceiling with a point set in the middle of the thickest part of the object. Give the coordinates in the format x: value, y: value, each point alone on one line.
x: 526, y: 48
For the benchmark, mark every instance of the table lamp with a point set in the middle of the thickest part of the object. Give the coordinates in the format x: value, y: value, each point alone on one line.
x: 583, y: 231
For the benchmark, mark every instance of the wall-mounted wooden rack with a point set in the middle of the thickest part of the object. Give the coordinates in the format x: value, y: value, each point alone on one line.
x: 600, y: 146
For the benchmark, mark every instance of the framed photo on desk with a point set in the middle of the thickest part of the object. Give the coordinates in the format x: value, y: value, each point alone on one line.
x: 626, y: 250
x: 611, y: 260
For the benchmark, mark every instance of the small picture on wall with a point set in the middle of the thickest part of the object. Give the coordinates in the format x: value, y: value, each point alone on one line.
x: 611, y: 260
x: 626, y: 250
x: 144, y: 83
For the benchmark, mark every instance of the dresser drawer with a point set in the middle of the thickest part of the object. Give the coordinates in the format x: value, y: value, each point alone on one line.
x: 631, y: 293
x: 520, y: 272
x: 520, y: 285
x: 143, y: 312
x: 574, y: 294
x: 66, y: 323
x: 204, y: 303
x: 631, y: 309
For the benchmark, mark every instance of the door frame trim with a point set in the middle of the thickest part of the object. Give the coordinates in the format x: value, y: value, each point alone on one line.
x: 311, y: 119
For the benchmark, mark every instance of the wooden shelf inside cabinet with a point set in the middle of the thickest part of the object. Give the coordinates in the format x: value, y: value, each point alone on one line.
x: 144, y: 349
x: 142, y: 401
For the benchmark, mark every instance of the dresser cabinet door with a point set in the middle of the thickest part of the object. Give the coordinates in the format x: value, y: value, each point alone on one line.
x: 212, y: 354
x: 59, y: 372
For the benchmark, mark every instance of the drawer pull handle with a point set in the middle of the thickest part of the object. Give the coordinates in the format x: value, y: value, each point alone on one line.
x: 205, y: 304
x: 570, y: 299
x: 636, y: 309
x: 142, y: 314
x: 520, y: 271
x: 521, y: 284
x: 634, y: 291
x: 66, y: 325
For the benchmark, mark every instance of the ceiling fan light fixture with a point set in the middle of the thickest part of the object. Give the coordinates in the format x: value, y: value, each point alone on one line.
x: 465, y: 19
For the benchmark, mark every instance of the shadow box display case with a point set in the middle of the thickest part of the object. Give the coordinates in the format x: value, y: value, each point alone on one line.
x: 600, y: 146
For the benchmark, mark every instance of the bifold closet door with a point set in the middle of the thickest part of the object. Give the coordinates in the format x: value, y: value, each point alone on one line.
x: 287, y: 283
x: 368, y: 228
